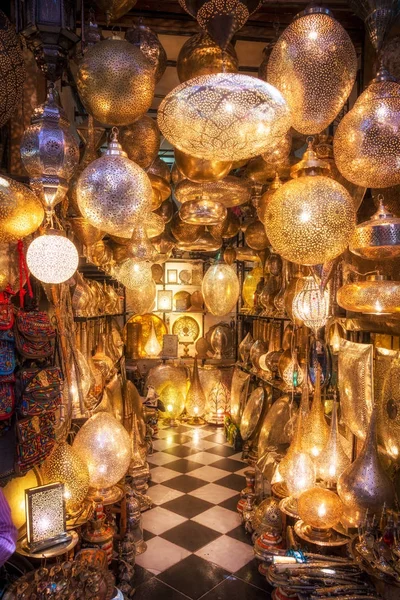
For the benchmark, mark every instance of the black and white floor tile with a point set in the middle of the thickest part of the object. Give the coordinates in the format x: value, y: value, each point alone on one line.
x: 196, y: 545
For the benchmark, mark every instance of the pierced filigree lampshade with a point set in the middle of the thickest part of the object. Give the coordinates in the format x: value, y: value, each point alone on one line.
x: 217, y: 404
x: 199, y: 55
x: 133, y: 274
x: 262, y: 205
x: 316, y: 430
x: 113, y: 192
x: 279, y: 150
x: 141, y: 141
x: 255, y: 236
x: 230, y: 191
x: 300, y: 476
x: 311, y: 305
x: 12, y: 69
x: 367, y: 141
x: 195, y: 398
x: 375, y: 296
x: 114, y: 9
x: 21, y: 212
x: 115, y: 82
x: 52, y: 257
x: 379, y: 237
x: 378, y: 16
x: 152, y: 347
x: 310, y: 219
x: 314, y: 65
x: 320, y: 510
x: 333, y: 460
x: 200, y: 170
x: 220, y: 289
x: 184, y: 232
x: 140, y: 299
x: 173, y: 400
x: 140, y: 247
x: 226, y: 116
x: 150, y: 46
x: 202, y: 212
x: 105, y: 446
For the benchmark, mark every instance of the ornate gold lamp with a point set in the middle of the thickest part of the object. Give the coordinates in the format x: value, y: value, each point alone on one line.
x: 250, y: 283
x: 113, y: 192
x: 374, y: 296
x: 220, y: 289
x: 150, y: 46
x: 310, y: 219
x: 314, y: 65
x: 21, y: 212
x: 115, y: 82
x: 367, y: 141
x: 332, y: 460
x: 231, y: 191
x: 195, y: 398
x: 316, y: 430
x: 105, y: 445
x: 319, y: 510
x: 200, y: 170
x: 174, y: 403
x: 152, y: 347
x: 140, y: 299
x: 379, y: 237
x: 134, y: 274
x: 279, y: 150
x: 226, y: 116
x: 141, y: 141
x: 311, y: 305
x: 202, y: 212
x: 217, y: 404
x: 200, y: 55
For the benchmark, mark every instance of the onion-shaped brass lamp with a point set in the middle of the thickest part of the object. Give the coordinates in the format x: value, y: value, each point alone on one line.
x: 113, y: 192
x: 310, y: 219
x: 378, y: 238
x: 200, y: 55
x: 220, y: 289
x: 115, y: 82
x: 367, y: 141
x: 314, y: 65
x: 374, y: 296
x: 226, y: 116
x: 105, y: 446
x: 311, y: 305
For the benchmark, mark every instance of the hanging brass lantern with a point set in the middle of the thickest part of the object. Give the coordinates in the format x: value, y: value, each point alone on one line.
x: 115, y: 9
x: 225, y: 116
x: 12, y: 70
x: 279, y: 150
x: 365, y: 485
x: 200, y: 170
x: 263, y: 201
x: 115, y: 82
x: 250, y: 283
x: 141, y: 141
x: 310, y: 219
x: 148, y: 43
x: 378, y: 17
x: 314, y: 65
x: 231, y: 191
x: 49, y: 152
x: 160, y: 168
x: 255, y: 236
x: 113, y: 192
x: 374, y: 296
x: 367, y: 141
x: 311, y: 305
x: 183, y: 232
x: 227, y: 228
x: 316, y: 430
x: 220, y: 289
x: 199, y: 55
x: 21, y: 213
x: 332, y: 460
x: 378, y: 238
x: 220, y: 20
x: 202, y: 212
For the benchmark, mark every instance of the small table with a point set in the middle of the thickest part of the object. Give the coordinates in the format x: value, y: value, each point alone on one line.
x: 52, y: 552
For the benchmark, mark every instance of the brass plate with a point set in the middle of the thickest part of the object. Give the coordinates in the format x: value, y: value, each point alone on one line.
x: 252, y: 413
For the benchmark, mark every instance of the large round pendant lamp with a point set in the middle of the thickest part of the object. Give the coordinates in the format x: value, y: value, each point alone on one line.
x: 310, y: 219
x: 115, y: 82
x: 314, y: 65
x: 367, y: 141
x: 220, y: 289
x: 199, y: 55
x: 52, y: 257
x: 225, y: 117
x: 113, y: 192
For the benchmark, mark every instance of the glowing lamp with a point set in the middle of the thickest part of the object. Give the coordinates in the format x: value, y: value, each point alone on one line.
x: 250, y: 285
x: 52, y: 257
x: 311, y: 305
x: 45, y: 516
x: 300, y: 476
x: 220, y: 289
x: 164, y: 300
x: 134, y: 274
x: 333, y: 460
x: 174, y: 402
x: 320, y: 510
x: 195, y: 398
x: 66, y: 466
x: 105, y: 445
x: 217, y: 404
x: 316, y: 430
x: 152, y: 347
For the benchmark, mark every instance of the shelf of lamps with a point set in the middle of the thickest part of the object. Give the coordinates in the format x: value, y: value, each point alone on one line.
x: 81, y: 319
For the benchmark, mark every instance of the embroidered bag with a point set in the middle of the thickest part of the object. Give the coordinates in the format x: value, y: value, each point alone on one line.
x: 34, y: 334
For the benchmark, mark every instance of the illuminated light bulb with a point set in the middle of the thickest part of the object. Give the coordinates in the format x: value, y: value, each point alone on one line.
x: 311, y: 305
x: 152, y: 347
x: 316, y: 430
x: 319, y: 508
x: 194, y: 119
x: 105, y: 446
x: 314, y: 65
x: 65, y: 465
x: 52, y: 257
x: 134, y: 274
x: 195, y: 398
x: 333, y: 460
x: 220, y: 289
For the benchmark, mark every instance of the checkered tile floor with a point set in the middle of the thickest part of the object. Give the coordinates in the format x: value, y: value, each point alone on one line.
x: 196, y: 546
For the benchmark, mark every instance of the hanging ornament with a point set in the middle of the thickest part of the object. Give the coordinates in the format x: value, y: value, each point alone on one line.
x: 220, y: 289
x: 365, y: 485
x: 49, y: 152
x: 52, y: 257
x: 140, y: 248
x: 113, y: 192
x: 311, y: 306
x: 263, y: 202
x: 148, y: 43
x: 310, y: 219
x: 379, y: 237
x: 202, y: 212
x: 230, y: 191
x: 316, y: 430
x: 226, y: 116
x: 378, y: 17
x: 195, y: 397
x: 367, y: 141
x: 141, y: 141
x: 199, y: 55
x: 115, y: 82
x: 21, y: 213
x: 12, y: 70
x: 333, y: 460
x: 221, y: 20
x: 314, y: 65
x: 200, y: 170
x: 375, y: 296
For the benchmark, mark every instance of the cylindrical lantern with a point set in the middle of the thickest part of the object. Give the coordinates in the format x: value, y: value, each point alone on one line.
x: 220, y: 289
